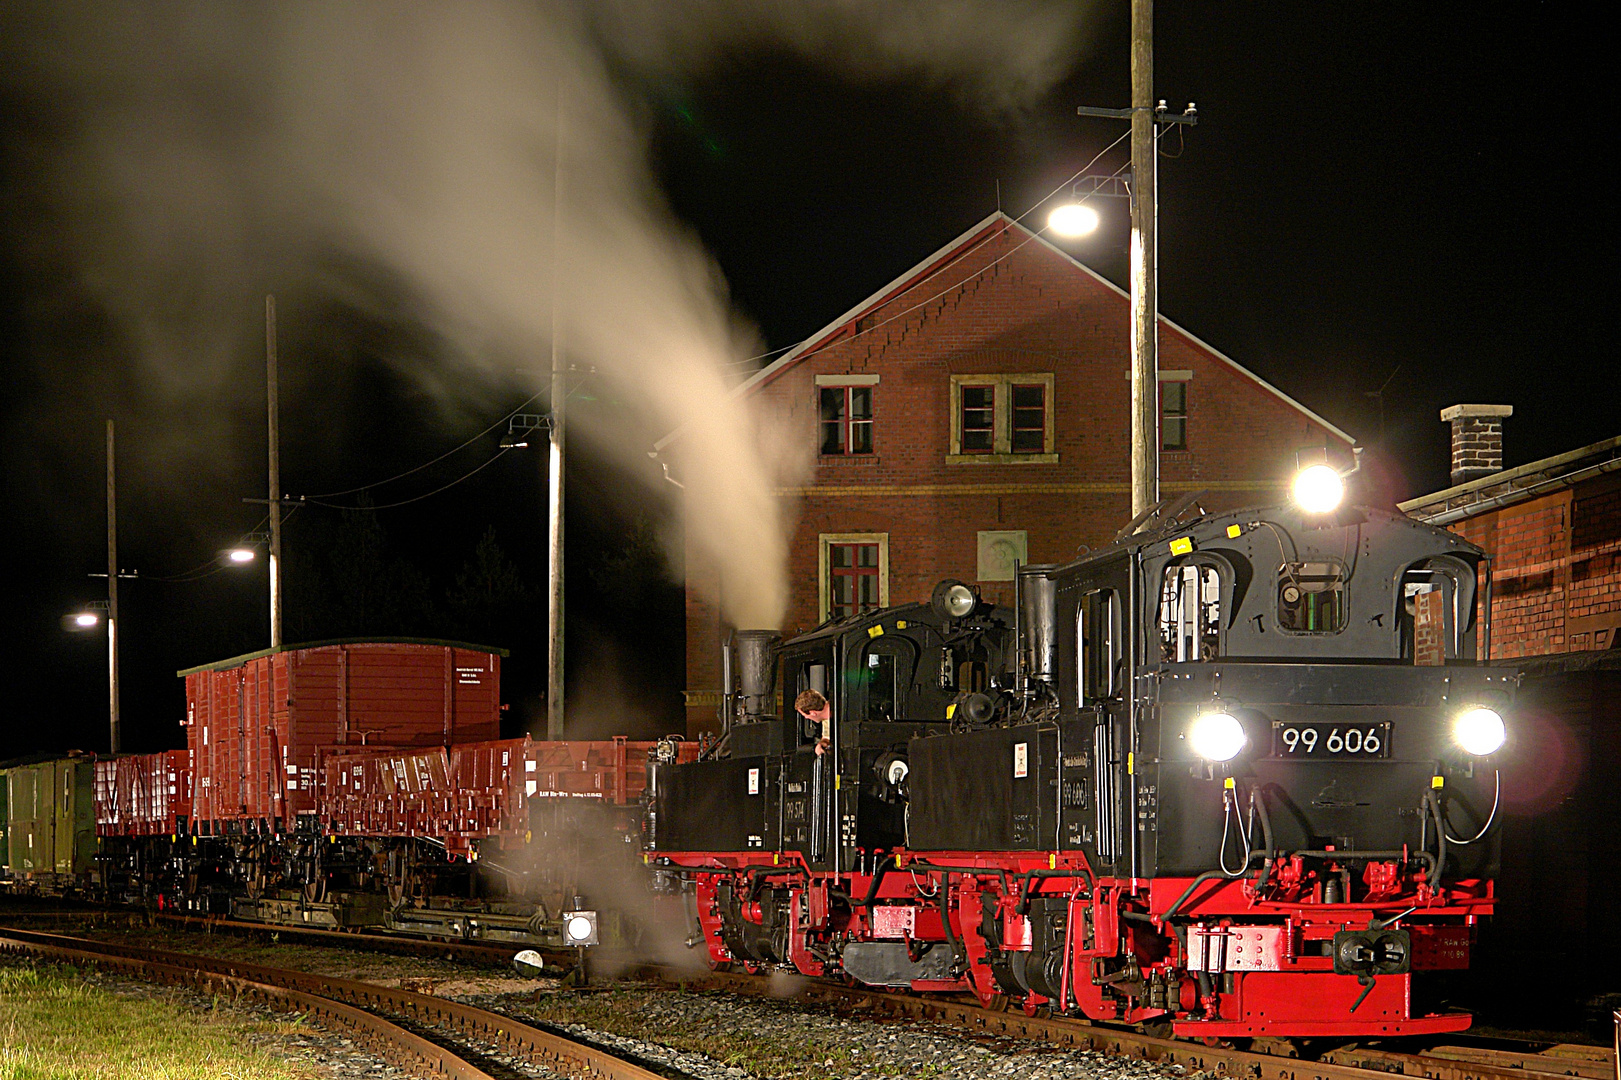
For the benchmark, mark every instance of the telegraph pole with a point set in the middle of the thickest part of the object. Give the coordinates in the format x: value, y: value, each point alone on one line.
x: 271, y: 394
x: 112, y: 595
x: 1144, y: 256
x: 554, y: 534
x: 1146, y: 116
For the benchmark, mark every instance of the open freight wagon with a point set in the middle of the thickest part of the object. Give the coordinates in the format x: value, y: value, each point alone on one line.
x: 258, y: 726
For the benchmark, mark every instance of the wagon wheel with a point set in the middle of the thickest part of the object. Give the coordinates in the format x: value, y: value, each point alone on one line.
x: 315, y: 877
x: 399, y: 877
x: 253, y: 881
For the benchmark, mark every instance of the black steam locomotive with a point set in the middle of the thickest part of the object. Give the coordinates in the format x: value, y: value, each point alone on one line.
x: 1231, y: 774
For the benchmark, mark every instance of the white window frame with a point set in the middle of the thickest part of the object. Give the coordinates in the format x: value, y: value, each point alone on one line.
x: 822, y: 567
x: 1002, y: 420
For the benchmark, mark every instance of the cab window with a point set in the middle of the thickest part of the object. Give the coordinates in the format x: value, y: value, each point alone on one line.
x: 1311, y: 597
x: 1097, y: 636
x: 1190, y: 613
x: 887, y: 670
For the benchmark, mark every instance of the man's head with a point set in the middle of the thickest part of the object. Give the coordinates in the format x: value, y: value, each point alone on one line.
x: 813, y: 706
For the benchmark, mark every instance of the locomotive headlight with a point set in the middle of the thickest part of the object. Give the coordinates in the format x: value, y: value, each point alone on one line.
x: 580, y: 927
x: 1318, y: 489
x: 953, y: 600
x: 1480, y: 731
x: 1217, y: 736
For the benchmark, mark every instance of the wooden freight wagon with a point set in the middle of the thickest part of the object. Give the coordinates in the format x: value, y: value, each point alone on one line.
x: 51, y: 833
x: 144, y: 794
x: 260, y: 726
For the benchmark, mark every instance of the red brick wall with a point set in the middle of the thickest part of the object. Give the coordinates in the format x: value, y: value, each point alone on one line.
x: 1020, y: 311
x: 1556, y: 577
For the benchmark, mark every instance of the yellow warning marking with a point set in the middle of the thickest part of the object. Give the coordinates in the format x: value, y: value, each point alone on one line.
x: 1182, y: 545
x: 1235, y: 531
x: 875, y: 631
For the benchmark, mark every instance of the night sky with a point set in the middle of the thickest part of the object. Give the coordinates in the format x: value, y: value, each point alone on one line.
x: 1372, y: 193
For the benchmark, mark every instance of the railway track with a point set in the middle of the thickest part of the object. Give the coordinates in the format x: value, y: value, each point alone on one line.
x: 1439, y: 1062
x: 1462, y: 1059
x: 426, y: 1035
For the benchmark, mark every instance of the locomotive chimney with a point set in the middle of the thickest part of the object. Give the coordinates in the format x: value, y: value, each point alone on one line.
x: 757, y: 671
x: 1477, y: 440
x: 1038, y: 619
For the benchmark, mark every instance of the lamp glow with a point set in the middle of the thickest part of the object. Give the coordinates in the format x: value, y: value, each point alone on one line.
x: 240, y: 555
x: 86, y: 619
x: 1479, y: 731
x: 1217, y: 736
x: 1318, y: 489
x: 1073, y: 220
x: 960, y: 600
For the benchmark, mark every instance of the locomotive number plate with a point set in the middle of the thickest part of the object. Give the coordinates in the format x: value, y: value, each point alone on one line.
x: 1331, y: 740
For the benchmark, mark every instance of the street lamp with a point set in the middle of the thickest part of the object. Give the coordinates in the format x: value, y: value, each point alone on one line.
x: 1073, y: 220
x: 240, y: 555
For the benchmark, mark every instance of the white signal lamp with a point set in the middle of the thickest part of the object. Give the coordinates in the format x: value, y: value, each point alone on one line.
x: 580, y: 927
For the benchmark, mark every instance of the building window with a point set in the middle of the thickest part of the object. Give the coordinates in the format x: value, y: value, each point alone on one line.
x: 846, y: 417
x: 1002, y: 419
x: 977, y: 419
x: 1173, y: 415
x: 854, y: 573
x: 1029, y: 419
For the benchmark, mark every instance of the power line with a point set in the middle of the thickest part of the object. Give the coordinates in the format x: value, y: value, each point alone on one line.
x: 417, y: 498
x: 424, y: 465
x: 960, y: 256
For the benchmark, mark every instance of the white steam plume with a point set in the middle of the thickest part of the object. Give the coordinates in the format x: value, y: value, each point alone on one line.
x: 211, y: 148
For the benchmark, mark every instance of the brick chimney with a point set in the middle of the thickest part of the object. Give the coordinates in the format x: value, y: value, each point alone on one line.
x: 1477, y: 440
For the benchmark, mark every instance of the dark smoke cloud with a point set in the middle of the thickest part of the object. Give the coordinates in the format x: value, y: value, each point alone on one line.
x: 200, y: 153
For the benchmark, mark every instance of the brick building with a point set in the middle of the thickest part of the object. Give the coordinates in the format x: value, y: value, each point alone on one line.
x: 1552, y: 528
x: 974, y: 413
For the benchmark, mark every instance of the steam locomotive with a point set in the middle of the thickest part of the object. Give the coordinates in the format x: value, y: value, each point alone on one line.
x: 1230, y: 776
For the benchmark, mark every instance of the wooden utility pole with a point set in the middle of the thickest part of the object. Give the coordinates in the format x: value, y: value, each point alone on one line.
x: 1146, y: 116
x: 554, y: 470
x: 112, y: 595
x: 1144, y: 256
x: 271, y: 394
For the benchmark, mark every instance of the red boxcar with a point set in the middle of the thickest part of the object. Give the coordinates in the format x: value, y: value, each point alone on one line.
x: 144, y: 795
x: 260, y: 726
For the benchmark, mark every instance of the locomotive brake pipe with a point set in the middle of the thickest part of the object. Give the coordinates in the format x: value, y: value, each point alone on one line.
x: 352, y: 1005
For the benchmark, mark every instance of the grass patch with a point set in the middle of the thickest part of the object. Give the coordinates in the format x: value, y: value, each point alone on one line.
x: 56, y: 1023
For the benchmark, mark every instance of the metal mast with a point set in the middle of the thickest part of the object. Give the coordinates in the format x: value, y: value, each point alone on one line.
x: 271, y: 394
x: 112, y: 596
x: 554, y: 535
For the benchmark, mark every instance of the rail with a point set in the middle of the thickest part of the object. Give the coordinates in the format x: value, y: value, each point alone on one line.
x: 351, y: 1005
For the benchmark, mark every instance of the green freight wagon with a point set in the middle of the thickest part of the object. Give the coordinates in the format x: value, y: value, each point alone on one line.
x: 51, y: 824
x: 5, y: 848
